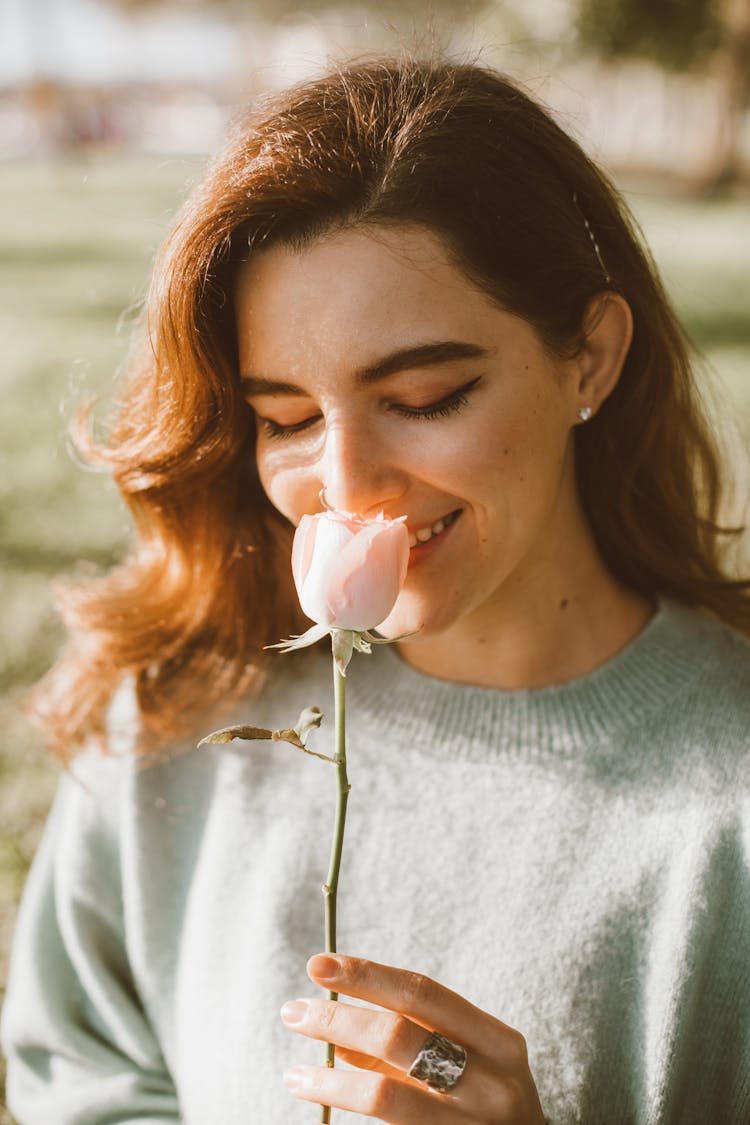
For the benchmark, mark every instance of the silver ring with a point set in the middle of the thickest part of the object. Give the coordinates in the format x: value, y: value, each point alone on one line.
x: 322, y: 498
x: 439, y: 1064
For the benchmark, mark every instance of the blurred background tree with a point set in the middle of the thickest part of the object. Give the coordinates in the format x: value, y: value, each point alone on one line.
x: 685, y: 35
x: 281, y: 9
x: 678, y: 33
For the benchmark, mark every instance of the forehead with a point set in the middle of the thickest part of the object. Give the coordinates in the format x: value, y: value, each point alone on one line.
x: 350, y: 295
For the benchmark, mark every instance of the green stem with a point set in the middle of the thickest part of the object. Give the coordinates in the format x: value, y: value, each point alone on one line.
x: 330, y: 888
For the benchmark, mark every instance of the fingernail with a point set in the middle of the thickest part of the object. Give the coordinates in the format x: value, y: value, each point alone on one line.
x: 296, y: 1079
x: 323, y: 966
x: 294, y: 1011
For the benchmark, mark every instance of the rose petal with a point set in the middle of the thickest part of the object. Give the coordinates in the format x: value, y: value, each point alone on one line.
x: 366, y: 578
x: 325, y: 543
x: 302, y: 549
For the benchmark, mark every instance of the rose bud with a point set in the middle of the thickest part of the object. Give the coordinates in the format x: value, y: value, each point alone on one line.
x: 349, y: 571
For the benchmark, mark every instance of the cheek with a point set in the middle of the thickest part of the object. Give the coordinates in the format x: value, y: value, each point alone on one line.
x: 483, y: 455
x: 513, y: 470
x: 280, y: 483
x: 274, y: 482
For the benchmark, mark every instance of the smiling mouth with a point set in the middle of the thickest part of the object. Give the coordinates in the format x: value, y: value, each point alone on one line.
x: 425, y: 534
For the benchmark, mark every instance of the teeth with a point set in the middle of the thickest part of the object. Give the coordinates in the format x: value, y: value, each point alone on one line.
x: 423, y: 534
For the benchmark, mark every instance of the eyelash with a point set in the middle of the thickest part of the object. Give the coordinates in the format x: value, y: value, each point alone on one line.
x: 451, y: 404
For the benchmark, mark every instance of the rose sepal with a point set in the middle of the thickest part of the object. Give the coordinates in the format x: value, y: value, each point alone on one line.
x: 343, y: 642
x: 373, y: 640
x: 302, y: 640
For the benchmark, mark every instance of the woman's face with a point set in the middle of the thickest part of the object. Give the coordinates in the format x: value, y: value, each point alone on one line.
x: 376, y: 369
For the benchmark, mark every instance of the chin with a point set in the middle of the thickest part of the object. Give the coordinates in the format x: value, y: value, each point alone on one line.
x: 408, y: 617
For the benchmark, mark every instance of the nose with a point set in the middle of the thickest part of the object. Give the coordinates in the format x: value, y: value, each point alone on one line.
x: 358, y: 472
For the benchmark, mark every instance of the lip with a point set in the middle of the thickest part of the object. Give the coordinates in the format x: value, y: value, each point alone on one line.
x: 423, y: 551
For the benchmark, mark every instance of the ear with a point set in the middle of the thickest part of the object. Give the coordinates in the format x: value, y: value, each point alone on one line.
x: 608, y: 329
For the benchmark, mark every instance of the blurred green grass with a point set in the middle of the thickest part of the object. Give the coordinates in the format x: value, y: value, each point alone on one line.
x: 76, y: 241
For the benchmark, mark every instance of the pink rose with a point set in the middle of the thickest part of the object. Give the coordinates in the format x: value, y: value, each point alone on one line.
x: 349, y: 571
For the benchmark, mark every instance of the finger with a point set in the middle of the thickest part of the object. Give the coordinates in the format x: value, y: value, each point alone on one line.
x: 371, y: 1094
x: 393, y: 1041
x: 368, y: 1062
x: 428, y: 1003
x: 384, y: 1035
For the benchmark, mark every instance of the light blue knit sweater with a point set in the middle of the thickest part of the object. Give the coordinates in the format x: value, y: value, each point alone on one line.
x: 575, y: 860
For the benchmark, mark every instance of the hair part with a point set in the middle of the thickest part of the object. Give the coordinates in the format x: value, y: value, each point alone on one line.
x: 528, y: 217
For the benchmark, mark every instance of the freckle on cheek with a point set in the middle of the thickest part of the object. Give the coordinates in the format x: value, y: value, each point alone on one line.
x: 564, y: 603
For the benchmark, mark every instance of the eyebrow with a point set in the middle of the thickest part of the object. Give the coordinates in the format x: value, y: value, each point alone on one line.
x: 405, y: 359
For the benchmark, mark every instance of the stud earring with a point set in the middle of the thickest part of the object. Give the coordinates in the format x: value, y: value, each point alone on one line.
x: 585, y: 413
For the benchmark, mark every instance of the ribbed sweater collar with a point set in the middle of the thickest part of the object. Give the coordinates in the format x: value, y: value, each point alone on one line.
x: 465, y: 721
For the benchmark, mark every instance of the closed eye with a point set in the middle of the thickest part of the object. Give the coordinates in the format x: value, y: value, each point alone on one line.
x: 276, y: 430
x: 451, y: 404
x: 448, y: 405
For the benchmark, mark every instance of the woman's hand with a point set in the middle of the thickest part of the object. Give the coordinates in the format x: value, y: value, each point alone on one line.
x: 495, y: 1088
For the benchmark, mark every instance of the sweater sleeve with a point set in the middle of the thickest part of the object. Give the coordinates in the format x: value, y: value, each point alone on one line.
x: 80, y: 1047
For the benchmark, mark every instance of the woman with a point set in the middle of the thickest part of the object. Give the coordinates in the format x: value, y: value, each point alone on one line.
x: 404, y: 285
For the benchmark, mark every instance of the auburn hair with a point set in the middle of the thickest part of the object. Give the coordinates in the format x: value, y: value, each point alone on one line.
x: 526, y: 214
